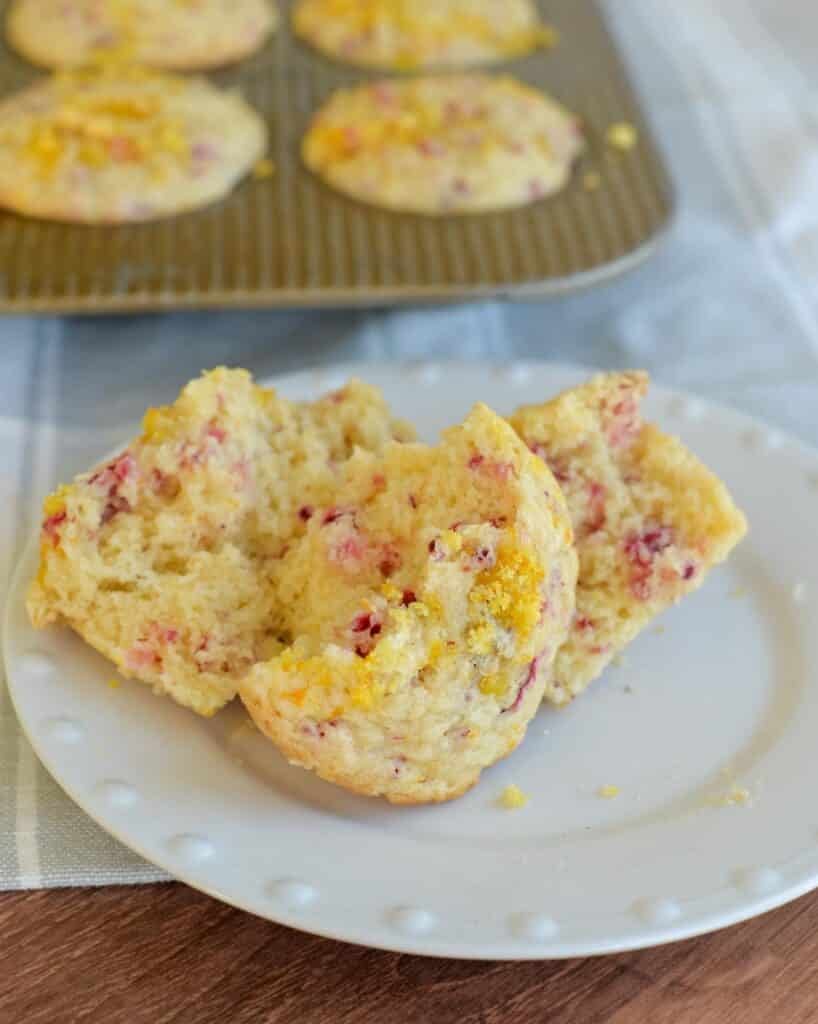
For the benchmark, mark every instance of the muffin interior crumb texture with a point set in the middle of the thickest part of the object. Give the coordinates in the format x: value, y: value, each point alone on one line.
x: 425, y: 606
x: 164, y: 558
x: 650, y: 519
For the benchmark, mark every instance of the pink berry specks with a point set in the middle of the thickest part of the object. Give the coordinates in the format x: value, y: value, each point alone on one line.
x: 641, y: 548
x: 583, y: 623
x: 641, y: 551
x: 216, y: 432
x: 408, y: 598
x: 483, y: 558
x: 620, y: 418
x: 162, y: 634
x: 305, y: 513
x: 530, y: 676
x: 108, y: 481
x: 689, y: 571
x: 349, y: 552
x: 413, y: 502
x: 491, y: 467
x: 436, y: 550
x: 51, y: 526
x: 142, y: 655
x: 366, y: 627
x: 114, y: 473
x: 242, y: 473
x: 362, y: 623
x: 596, y: 514
x: 332, y: 515
x: 559, y: 465
x: 145, y: 653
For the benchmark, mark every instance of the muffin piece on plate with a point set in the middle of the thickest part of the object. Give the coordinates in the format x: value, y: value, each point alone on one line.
x: 164, y: 558
x: 425, y: 605
x: 650, y: 520
x: 120, y: 143
x: 405, y: 34
x: 440, y: 145
x: 170, y: 34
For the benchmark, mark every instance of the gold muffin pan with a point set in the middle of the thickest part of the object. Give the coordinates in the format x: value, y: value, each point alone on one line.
x: 288, y: 240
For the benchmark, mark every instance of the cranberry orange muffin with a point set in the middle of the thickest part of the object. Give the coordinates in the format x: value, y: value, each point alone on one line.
x: 182, y: 35
x: 403, y: 35
x: 121, y: 145
x: 164, y: 559
x: 649, y: 519
x: 443, y: 145
x: 425, y: 607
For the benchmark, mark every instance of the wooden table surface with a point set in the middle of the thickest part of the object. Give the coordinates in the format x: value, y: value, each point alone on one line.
x: 164, y: 953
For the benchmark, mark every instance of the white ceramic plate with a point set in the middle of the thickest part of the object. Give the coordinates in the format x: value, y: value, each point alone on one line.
x: 719, y: 703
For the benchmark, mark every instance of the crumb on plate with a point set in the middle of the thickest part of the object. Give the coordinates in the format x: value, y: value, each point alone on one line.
x: 513, y: 797
x: 738, y: 796
x: 622, y: 135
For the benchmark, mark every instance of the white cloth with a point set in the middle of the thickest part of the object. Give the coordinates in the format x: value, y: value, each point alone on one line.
x: 727, y: 308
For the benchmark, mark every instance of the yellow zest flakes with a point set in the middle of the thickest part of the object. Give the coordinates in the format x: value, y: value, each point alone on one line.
x: 510, y: 590
x: 480, y: 638
x: 114, y: 683
x: 591, y: 181
x: 391, y: 593
x: 334, y: 140
x: 621, y: 135
x: 608, y: 792
x: 452, y: 541
x: 362, y: 696
x: 436, y: 650
x: 428, y: 34
x: 316, y: 677
x: 263, y: 169
x: 44, y: 146
x: 430, y: 606
x: 494, y: 685
x: 158, y: 423
x: 54, y: 504
x: 512, y: 798
x: 96, y: 122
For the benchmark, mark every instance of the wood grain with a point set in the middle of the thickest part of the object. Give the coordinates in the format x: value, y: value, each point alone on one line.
x: 164, y: 954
